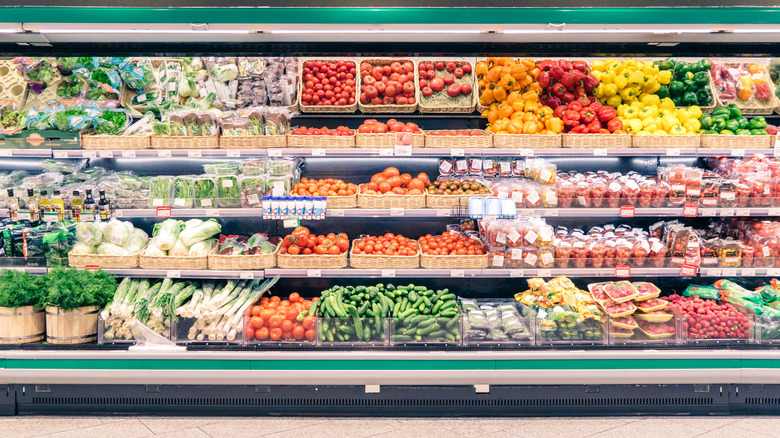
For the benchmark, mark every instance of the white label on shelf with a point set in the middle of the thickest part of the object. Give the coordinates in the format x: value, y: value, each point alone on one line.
x: 457, y: 152
x: 517, y: 273
x: 525, y: 152
x: 627, y: 211
x: 774, y: 212
x: 748, y: 272
x: 525, y: 212
x: 513, y: 236
x: 498, y: 261
x: 319, y: 152
x: 688, y: 270
x: 23, y: 215
x: 714, y: 272
x: 6, y: 152
x: 445, y: 166
x: 673, y: 152
x: 314, y: 273
x: 403, y: 150
x: 205, y: 203
x: 773, y: 272
x: 87, y: 217
x: 708, y: 212
x: 60, y: 154
x: 173, y: 274
x: 337, y: 212
x: 727, y: 212
x: 386, y: 152
x: 729, y: 272
x: 212, y: 212
x: 443, y: 212
x: 227, y: 183
x: 388, y: 273
x: 622, y: 271
x: 457, y: 273
x: 553, y: 212
x: 164, y: 154
x: 157, y: 202
x: 119, y: 213
x: 128, y: 154
x: 89, y: 154
x: 600, y: 152
x: 246, y: 276
x: 291, y: 223
x: 106, y: 154
x: 691, y: 210
x: 743, y: 212
x: 657, y: 246
x: 397, y: 211
x: 194, y: 154
x: 179, y: 202
x: 544, y: 273
x: 737, y: 152
x: 232, y: 153
x: 274, y: 152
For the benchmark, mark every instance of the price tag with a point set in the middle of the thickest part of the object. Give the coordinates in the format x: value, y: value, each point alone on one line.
x: 388, y: 273
x: 23, y: 215
x: 627, y: 211
x: 89, y: 154
x: 599, y: 152
x: 163, y: 212
x: 403, y: 150
x: 314, y: 273
x: 774, y: 212
x: 525, y: 212
x: 526, y: 152
x: 60, y: 154
x: 725, y: 212
x: 543, y: 273
x: 457, y: 152
x: 622, y: 271
x: 212, y: 212
x: 729, y: 272
x: 246, y: 276
x: 164, y: 154
x: 457, y: 273
x: 748, y: 272
x: 6, y: 153
x: 335, y: 213
x: 714, y: 272
x: 385, y: 152
x: 106, y: 154
x: 173, y: 274
x: 318, y: 152
x: 552, y: 212
x: 773, y: 272
x: 691, y: 211
x: 291, y: 223
x: 91, y: 267
x: 743, y: 212
x: 688, y: 270
x: 737, y: 152
x: 128, y: 154
x: 708, y: 212
x: 516, y: 273
x: 673, y: 152
x: 233, y: 153
x: 274, y: 152
x: 399, y: 211
x: 87, y: 217
x: 443, y: 213
x: 119, y: 213
x: 194, y: 154
x: 50, y: 216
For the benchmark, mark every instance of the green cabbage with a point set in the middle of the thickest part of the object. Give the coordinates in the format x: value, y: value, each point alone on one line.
x: 166, y: 233
x: 89, y: 233
x: 200, y: 232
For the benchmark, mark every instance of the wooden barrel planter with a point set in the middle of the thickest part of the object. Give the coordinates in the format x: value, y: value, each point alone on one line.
x: 77, y: 326
x: 20, y: 325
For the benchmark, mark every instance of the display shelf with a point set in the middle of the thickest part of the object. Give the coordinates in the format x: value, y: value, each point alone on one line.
x: 739, y: 272
x: 467, y: 273
x: 175, y: 273
x: 25, y: 153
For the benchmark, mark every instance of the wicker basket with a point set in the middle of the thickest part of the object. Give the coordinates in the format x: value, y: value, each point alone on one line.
x: 459, y: 141
x: 595, y: 141
x: 366, y: 261
x: 320, y: 141
x: 115, y: 142
x: 718, y: 141
x: 754, y: 108
x: 527, y: 141
x: 175, y: 262
x: 185, y: 142
x: 454, y: 261
x: 252, y: 142
x: 391, y: 108
x: 449, y: 201
x: 349, y: 201
x: 666, y: 141
x: 103, y: 261
x: 385, y: 140
x: 469, y: 79
x: 243, y: 262
x: 390, y: 201
x: 327, y: 108
x: 312, y: 261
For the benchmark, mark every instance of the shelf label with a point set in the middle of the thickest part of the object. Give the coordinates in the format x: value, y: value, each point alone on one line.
x: 119, y: 213
x: 89, y: 154
x: 388, y: 273
x: 749, y: 272
x: 688, y: 270
x: 212, y: 212
x: 386, y: 152
x: 318, y: 152
x: 338, y: 212
x: 743, y: 212
x: 622, y: 271
x: 92, y: 267
x: 106, y: 154
x: 774, y: 212
x: 457, y: 152
x: 194, y: 154
x: 246, y: 276
x: 128, y: 154
x: 526, y: 152
x: 163, y: 212
x: 164, y: 154
x: 23, y: 215
x: 713, y: 272
x: 725, y: 212
x: 777, y: 145
x: 729, y: 272
x: 50, y: 216
x: 6, y: 153
x: 314, y: 273
x: 709, y: 212
x: 397, y: 211
x: 274, y: 152
x: 516, y: 273
x: 737, y: 152
x: 441, y: 212
x: 233, y: 153
x: 553, y: 212
x: 524, y: 212
x: 773, y: 272
x: 600, y: 152
x: 627, y: 211
x: 403, y: 150
x: 690, y: 211
x: 87, y: 217
x: 673, y: 152
x: 457, y: 273
x: 173, y: 274
x: 543, y: 273
x: 60, y: 154
x: 291, y: 223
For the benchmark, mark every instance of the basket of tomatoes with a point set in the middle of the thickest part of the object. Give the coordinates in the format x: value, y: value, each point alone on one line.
x: 390, y: 189
x: 273, y: 319
x: 390, y: 251
x: 452, y: 250
x: 446, y: 86
x: 388, y: 86
x: 303, y: 250
x: 338, y: 193
x: 303, y: 137
x: 375, y: 134
x: 328, y: 85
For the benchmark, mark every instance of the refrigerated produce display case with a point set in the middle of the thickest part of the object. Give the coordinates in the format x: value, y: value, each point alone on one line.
x: 482, y: 211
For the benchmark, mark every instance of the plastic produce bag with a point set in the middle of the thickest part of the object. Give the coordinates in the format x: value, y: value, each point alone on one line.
x: 200, y: 232
x: 107, y: 248
x: 81, y: 248
x: 89, y: 233
x: 202, y: 248
x: 117, y: 232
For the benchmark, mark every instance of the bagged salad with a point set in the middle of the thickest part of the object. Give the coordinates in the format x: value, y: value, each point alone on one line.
x: 11, y: 120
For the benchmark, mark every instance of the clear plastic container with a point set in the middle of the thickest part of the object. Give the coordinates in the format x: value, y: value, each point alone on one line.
x: 204, y: 192
x: 281, y: 167
x: 500, y: 322
x: 228, y: 192
x: 253, y: 188
x: 183, y: 192
x: 343, y: 331
x: 431, y: 330
x: 186, y: 331
x: 160, y: 188
x: 253, y: 166
x: 278, y: 185
x: 568, y: 327
x: 223, y: 168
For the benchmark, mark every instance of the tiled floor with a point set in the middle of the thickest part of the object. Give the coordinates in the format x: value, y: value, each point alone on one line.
x: 218, y: 427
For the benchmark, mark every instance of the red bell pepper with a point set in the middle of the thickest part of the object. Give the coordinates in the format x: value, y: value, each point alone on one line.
x: 544, y: 79
x: 594, y: 127
x: 556, y: 73
x: 558, y: 111
x: 579, y: 129
x: 587, y: 116
x: 590, y: 82
x: 596, y: 106
x: 576, y: 106
x: 607, y: 113
x: 579, y: 91
x: 581, y: 66
x: 558, y: 89
x: 567, y: 97
x: 604, y: 131
x: 568, y: 80
x: 564, y: 64
x: 583, y: 100
x: 771, y: 129
x: 571, y: 118
x: 615, y: 125
x: 545, y: 65
x: 554, y: 102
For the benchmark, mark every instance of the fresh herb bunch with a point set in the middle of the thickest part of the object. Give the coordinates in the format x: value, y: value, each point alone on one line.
x: 70, y: 289
x: 62, y: 118
x: 111, y: 123
x: 18, y: 289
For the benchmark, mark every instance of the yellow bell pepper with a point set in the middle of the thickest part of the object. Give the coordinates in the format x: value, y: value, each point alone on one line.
x: 650, y: 128
x: 649, y: 69
x: 667, y: 103
x: 621, y: 80
x: 669, y: 122
x: 660, y: 132
x: 626, y: 93
x: 598, y: 66
x: 677, y: 130
x: 689, y: 75
x: 683, y: 114
x: 637, y: 104
x: 652, y: 86
x: 632, y: 64
x: 596, y: 74
x: 643, y: 132
x: 599, y: 91
x: 621, y: 110
x: 664, y: 77
x: 614, y: 101
x: 607, y: 77
x: 631, y: 113
x: 633, y: 99
x: 692, y: 125
x: 610, y: 90
x: 637, y: 77
x: 650, y: 121
x: 645, y: 112
x: 650, y: 99
x: 695, y: 111
x: 633, y: 126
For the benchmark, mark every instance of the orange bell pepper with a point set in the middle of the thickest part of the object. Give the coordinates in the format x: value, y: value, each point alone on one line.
x: 505, y: 111
x: 529, y: 117
x: 518, y: 106
x: 492, y: 61
x: 481, y: 68
x: 494, y: 74
x: 530, y: 96
x: 506, y: 81
x: 492, y: 116
x: 531, y: 106
x: 554, y: 124
x: 518, y: 71
x: 505, y: 61
x: 499, y: 94
x: 528, y: 62
x: 487, y: 97
x: 529, y: 128
x: 514, y: 97
x: 515, y: 127
x: 535, y: 72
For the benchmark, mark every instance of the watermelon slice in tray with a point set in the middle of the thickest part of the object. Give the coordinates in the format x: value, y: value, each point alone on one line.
x: 646, y: 291
x: 621, y: 291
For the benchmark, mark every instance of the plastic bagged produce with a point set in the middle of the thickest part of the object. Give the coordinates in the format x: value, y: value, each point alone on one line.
x: 117, y: 232
x: 228, y: 192
x: 253, y: 188
x: 112, y: 122
x: 166, y: 233
x: 221, y: 168
x: 12, y: 119
x: 107, y: 248
x: 160, y: 188
x: 37, y: 72
x: 81, y: 248
x: 137, y: 241
x: 253, y: 166
x: 277, y: 121
x: 89, y: 233
x: 233, y: 125
x: 204, y: 192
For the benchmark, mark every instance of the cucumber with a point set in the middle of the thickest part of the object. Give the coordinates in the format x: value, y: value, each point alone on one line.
x: 448, y: 305
x: 419, y: 319
x: 426, y: 323
x: 437, y: 334
x: 420, y: 288
x: 447, y: 297
x: 314, y: 306
x: 437, y: 307
x: 356, y: 320
x: 412, y: 296
x: 401, y: 338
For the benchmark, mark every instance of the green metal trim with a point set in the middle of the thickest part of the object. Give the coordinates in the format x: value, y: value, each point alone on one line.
x: 685, y: 15
x: 126, y: 364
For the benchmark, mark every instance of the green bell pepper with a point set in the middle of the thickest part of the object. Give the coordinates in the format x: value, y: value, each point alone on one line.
x: 690, y: 86
x: 757, y: 122
x: 743, y: 132
x: 707, y: 132
x: 743, y: 122
x: 704, y: 97
x: 663, y: 92
x: 732, y: 125
x: 726, y: 132
x: 681, y: 69
x: 701, y: 78
x: 706, y: 121
x: 667, y: 64
x: 758, y: 131
x: 677, y: 100
x: 718, y: 123
x: 689, y: 98
x: 706, y: 65
x: 734, y: 111
x: 720, y: 112
x: 676, y: 88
